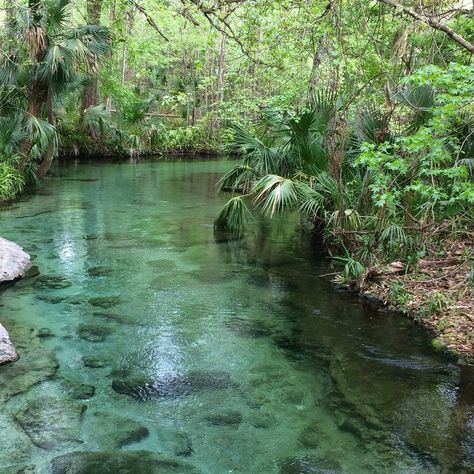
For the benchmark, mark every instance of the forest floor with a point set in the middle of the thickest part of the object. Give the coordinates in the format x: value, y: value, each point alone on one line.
x: 438, y: 294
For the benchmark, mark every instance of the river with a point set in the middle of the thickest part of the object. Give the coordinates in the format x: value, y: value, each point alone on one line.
x: 149, y: 345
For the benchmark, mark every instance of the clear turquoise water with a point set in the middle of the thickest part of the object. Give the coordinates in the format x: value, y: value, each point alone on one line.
x: 253, y: 363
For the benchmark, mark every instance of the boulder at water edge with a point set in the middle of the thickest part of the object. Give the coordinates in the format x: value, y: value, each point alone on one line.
x: 7, y: 351
x: 14, y: 262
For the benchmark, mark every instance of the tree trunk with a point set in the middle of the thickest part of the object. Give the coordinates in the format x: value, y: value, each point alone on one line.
x: 219, y: 97
x: 313, y: 78
x: 90, y: 96
x: 48, y: 158
x: 36, y: 98
x: 37, y: 91
x: 9, y: 26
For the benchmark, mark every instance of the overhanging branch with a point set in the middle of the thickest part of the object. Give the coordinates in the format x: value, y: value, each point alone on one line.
x: 433, y: 23
x: 149, y: 19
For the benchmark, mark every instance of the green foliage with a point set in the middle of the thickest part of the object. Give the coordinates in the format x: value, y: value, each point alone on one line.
x: 353, y: 270
x: 11, y: 181
x: 398, y: 295
x: 233, y: 216
x: 422, y: 175
x: 436, y: 304
x: 379, y: 194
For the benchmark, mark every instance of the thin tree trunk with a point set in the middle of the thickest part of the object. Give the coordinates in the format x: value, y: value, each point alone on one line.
x: 9, y: 18
x: 124, y: 64
x: 313, y: 78
x: 90, y: 96
x: 219, y: 99
x: 48, y: 158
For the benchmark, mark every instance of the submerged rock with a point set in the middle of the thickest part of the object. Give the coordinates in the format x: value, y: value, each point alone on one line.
x: 262, y: 419
x: 45, y: 332
x: 93, y: 361
x: 115, y: 432
x: 105, y: 301
x: 309, y: 465
x: 230, y: 418
x: 14, y: 262
x: 119, y: 318
x: 32, y: 272
x: 93, y: 332
x: 99, y: 271
x: 79, y: 391
x: 50, y: 422
x: 53, y: 282
x: 50, y: 299
x: 176, y: 442
x: 163, y: 265
x: 172, y: 386
x: 123, y: 462
x: 7, y: 350
x: 249, y: 328
x: 15, y: 447
x: 35, y: 366
x: 310, y: 437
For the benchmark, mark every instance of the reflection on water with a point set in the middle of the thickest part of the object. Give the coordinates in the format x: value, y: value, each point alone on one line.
x: 150, y: 346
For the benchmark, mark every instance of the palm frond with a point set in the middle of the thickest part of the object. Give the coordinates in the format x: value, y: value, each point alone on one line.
x: 276, y: 194
x: 96, y: 38
x: 328, y: 187
x: 42, y: 133
x: 57, y: 66
x: 237, y: 179
x: 234, y: 216
x: 56, y: 15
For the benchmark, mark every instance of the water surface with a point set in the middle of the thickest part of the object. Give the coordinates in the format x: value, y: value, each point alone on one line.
x: 144, y: 333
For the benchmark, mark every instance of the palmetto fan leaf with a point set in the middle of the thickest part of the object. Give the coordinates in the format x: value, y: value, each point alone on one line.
x: 311, y: 201
x: 9, y: 71
x: 11, y: 181
x: 421, y: 100
x: 306, y: 143
x: 41, y: 132
x: 233, y: 216
x: 95, y: 38
x: 11, y: 134
x: 56, y: 15
x: 237, y: 179
x: 58, y: 66
x: 276, y: 194
x: 372, y: 126
x: 327, y: 186
x: 97, y: 118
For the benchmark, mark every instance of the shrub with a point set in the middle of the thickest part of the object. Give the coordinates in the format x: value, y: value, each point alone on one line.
x: 11, y: 182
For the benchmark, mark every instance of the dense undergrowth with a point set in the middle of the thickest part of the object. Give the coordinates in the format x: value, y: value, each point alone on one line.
x: 387, y: 183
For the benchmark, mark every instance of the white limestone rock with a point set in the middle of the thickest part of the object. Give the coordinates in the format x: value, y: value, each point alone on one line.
x: 7, y: 350
x: 14, y: 262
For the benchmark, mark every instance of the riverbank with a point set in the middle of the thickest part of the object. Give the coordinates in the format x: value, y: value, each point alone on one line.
x: 438, y: 294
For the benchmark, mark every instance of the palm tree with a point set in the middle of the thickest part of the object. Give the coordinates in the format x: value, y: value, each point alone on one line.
x: 288, y: 165
x: 52, y: 58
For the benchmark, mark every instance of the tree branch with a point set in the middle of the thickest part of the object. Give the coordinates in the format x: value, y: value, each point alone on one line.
x: 222, y: 24
x: 433, y: 23
x: 149, y: 19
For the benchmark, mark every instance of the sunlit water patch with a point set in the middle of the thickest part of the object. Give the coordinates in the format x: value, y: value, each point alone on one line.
x: 148, y: 345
